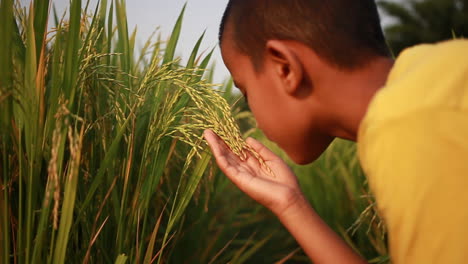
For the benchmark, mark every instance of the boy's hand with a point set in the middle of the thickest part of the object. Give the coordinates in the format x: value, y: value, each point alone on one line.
x: 282, y: 195
x: 277, y: 193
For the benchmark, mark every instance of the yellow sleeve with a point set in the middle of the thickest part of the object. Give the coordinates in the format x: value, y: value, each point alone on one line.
x: 418, y: 169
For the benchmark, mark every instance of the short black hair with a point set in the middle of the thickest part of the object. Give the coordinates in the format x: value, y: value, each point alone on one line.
x: 345, y: 33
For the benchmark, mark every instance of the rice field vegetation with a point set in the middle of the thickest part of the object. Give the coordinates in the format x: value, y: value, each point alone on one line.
x: 102, y: 158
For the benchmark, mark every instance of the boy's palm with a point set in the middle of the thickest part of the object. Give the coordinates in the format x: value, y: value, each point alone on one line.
x: 277, y: 192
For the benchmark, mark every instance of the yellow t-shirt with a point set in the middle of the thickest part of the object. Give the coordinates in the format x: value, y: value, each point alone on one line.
x: 413, y: 146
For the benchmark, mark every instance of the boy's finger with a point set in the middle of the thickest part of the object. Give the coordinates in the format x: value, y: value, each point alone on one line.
x: 209, y: 136
x: 213, y: 141
x: 261, y: 149
x: 221, y: 153
x: 217, y: 145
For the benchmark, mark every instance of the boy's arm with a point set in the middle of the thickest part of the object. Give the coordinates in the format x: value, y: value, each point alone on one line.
x: 281, y: 194
x: 316, y: 238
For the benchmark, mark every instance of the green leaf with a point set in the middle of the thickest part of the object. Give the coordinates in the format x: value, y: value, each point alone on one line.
x: 245, y: 257
x: 149, y: 250
x: 71, y: 50
x: 110, y: 34
x: 201, y: 69
x: 6, y: 64
x: 192, y: 184
x: 121, y: 259
x: 41, y: 15
x: 30, y: 106
x: 193, y: 55
x: 123, y: 43
x: 172, y: 44
x: 68, y: 206
x: 228, y: 89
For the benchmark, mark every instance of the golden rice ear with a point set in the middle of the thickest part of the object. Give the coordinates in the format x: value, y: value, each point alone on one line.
x: 210, y: 110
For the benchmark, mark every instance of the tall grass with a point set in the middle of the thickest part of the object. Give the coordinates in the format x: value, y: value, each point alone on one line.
x: 101, y: 155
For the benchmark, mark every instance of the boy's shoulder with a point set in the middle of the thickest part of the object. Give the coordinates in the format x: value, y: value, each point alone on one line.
x: 426, y: 76
x: 413, y: 148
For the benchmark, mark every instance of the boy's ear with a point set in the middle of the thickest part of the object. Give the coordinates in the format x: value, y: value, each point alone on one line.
x: 287, y: 65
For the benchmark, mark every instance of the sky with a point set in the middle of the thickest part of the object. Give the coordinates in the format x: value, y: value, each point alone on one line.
x: 200, y: 15
x: 149, y: 15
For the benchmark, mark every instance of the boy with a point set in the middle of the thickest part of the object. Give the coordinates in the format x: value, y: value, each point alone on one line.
x: 315, y: 70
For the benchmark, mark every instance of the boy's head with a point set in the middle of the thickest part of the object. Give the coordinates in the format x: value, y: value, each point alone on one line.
x: 283, y: 52
x: 346, y: 33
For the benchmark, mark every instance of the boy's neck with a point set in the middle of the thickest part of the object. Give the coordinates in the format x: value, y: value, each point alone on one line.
x: 356, y: 91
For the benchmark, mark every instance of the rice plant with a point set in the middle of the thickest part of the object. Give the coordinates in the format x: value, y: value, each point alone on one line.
x: 101, y: 154
x: 88, y: 133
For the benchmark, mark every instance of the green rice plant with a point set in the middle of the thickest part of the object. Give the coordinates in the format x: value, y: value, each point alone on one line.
x: 89, y: 137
